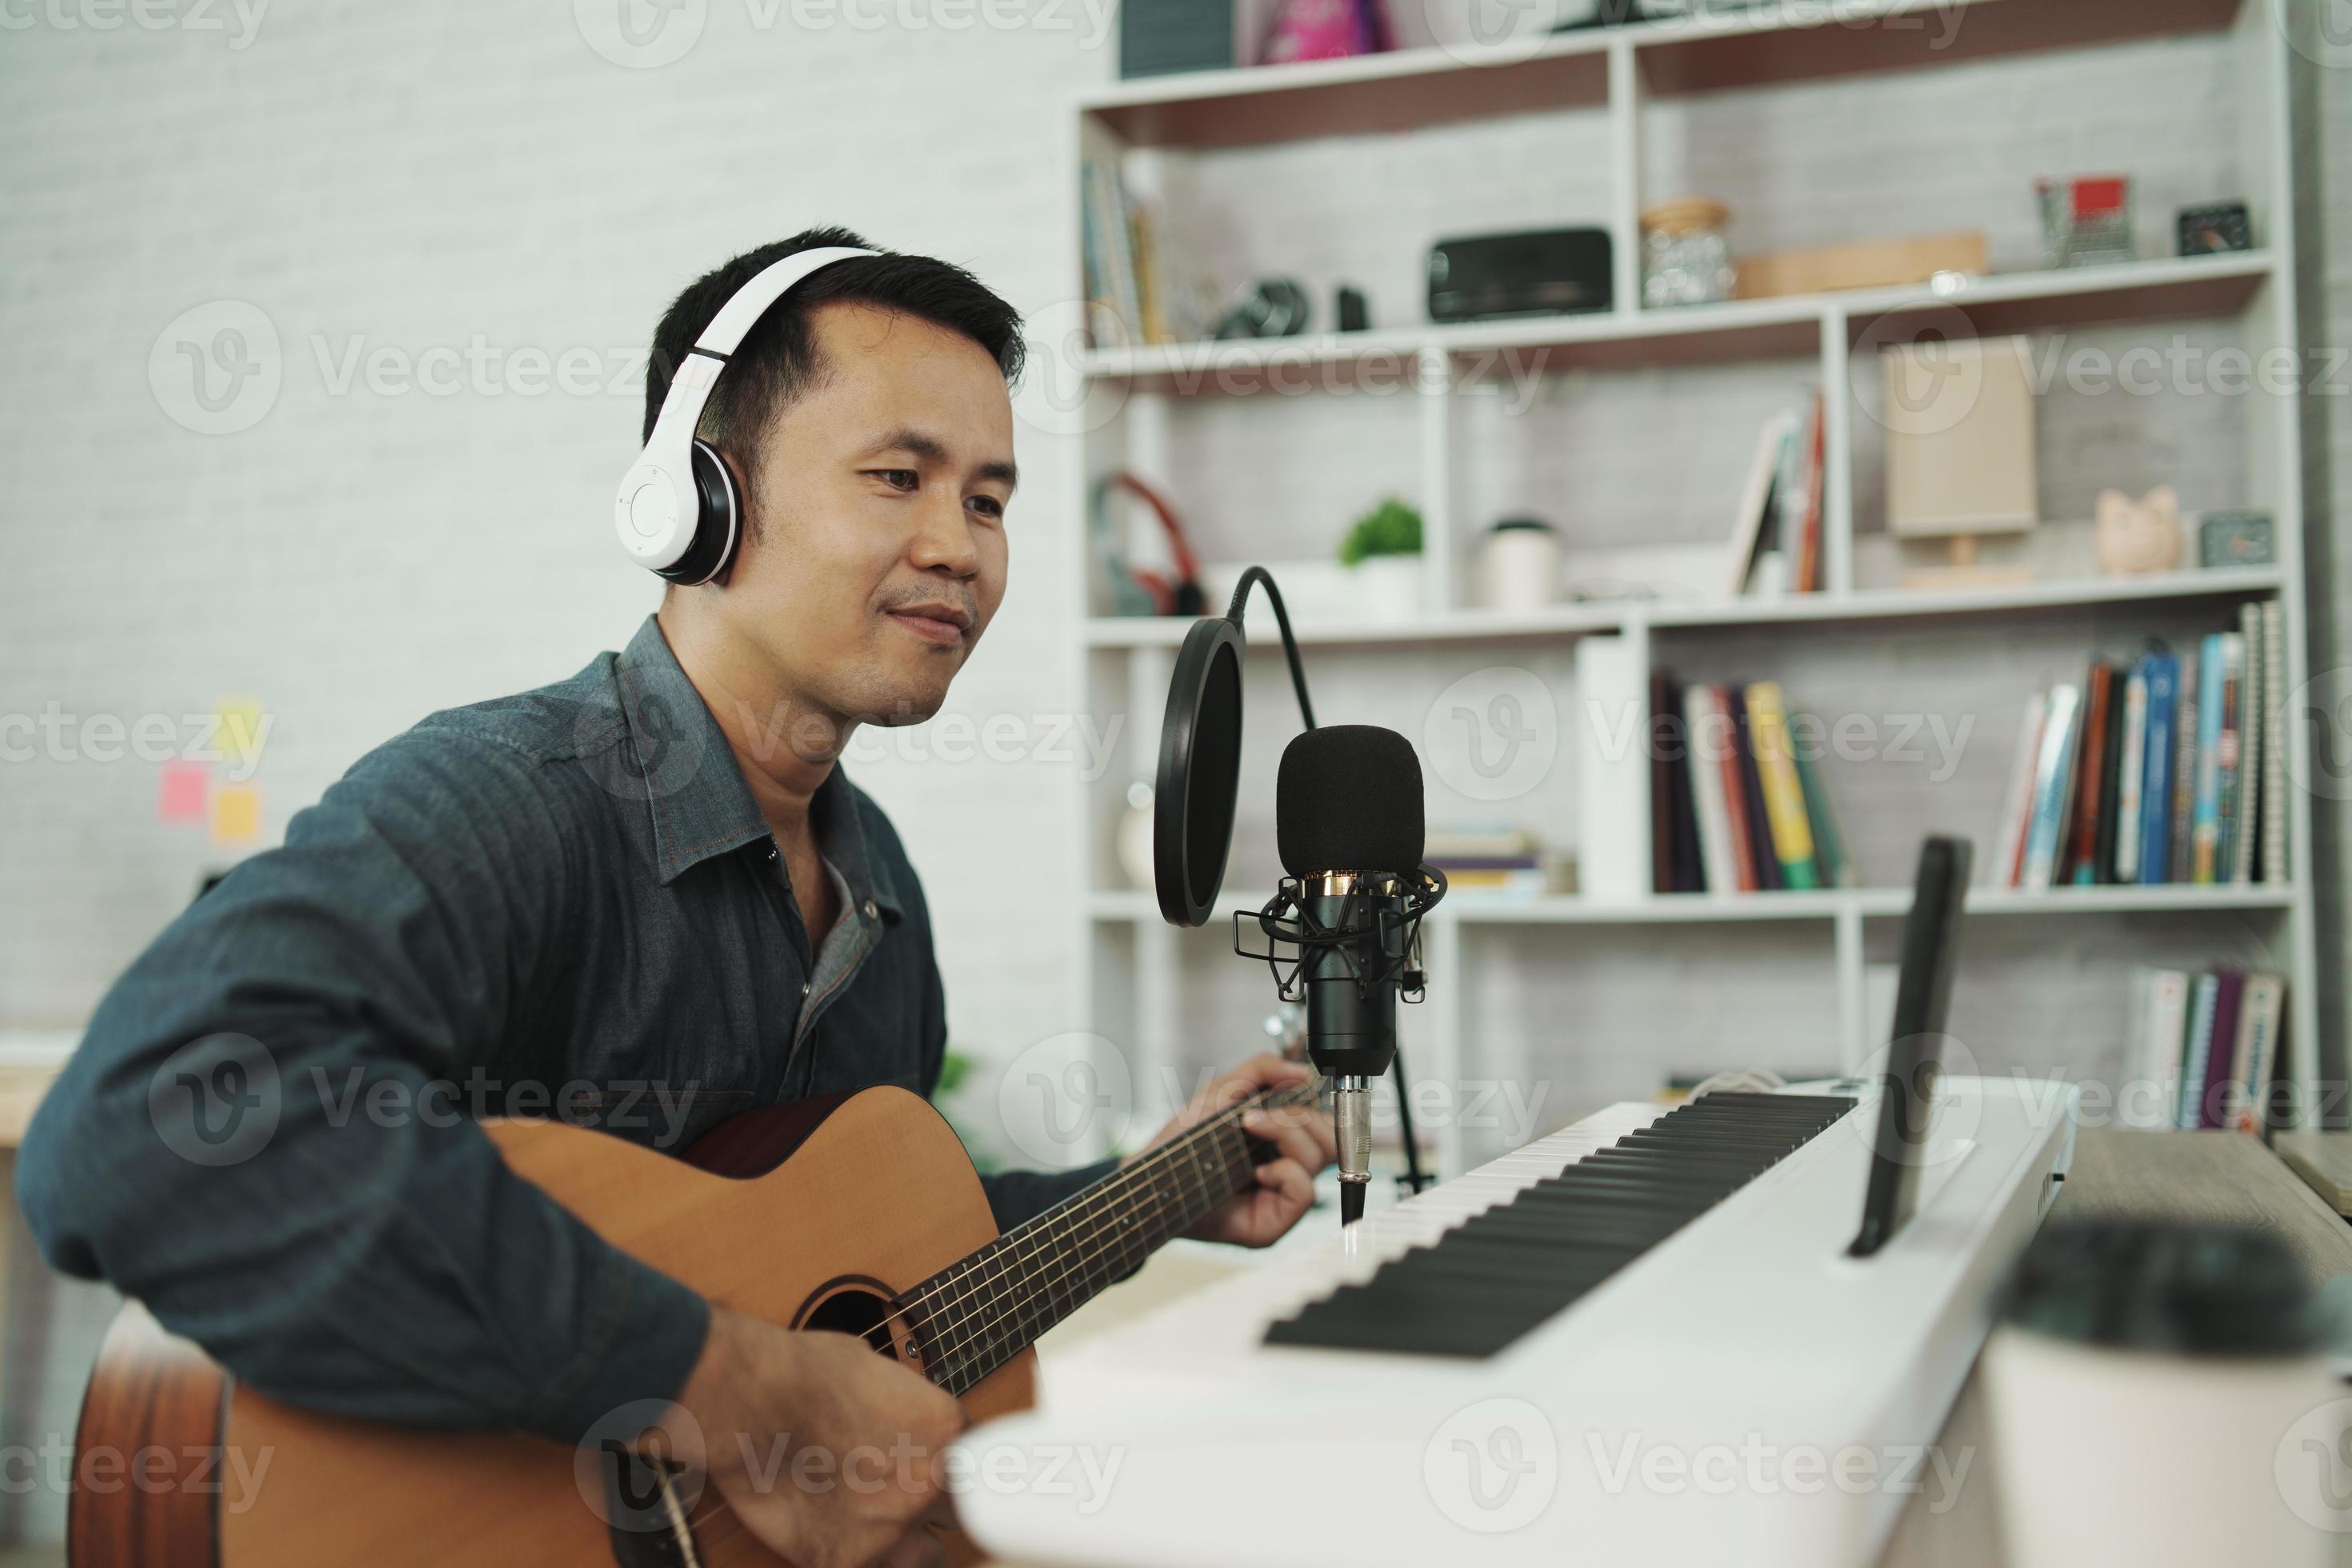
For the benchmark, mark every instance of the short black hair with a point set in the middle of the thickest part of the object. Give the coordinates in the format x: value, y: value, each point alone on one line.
x: 778, y: 359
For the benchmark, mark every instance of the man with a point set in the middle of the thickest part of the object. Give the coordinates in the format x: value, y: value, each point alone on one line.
x: 646, y: 897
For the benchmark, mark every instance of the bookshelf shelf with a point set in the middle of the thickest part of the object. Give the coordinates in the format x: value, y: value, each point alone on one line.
x: 2003, y: 302
x: 1120, y: 905
x: 1575, y: 620
x: 1712, y: 51
x: 1586, y: 126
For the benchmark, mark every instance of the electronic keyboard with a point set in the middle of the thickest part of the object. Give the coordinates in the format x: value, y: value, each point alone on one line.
x: 1638, y: 1339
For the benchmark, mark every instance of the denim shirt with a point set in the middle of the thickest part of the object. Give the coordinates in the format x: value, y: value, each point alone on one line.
x: 563, y: 903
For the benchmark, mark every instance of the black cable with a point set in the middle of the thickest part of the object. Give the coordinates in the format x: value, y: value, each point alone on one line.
x: 1258, y: 574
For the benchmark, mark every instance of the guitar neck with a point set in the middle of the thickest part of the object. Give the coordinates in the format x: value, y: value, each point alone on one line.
x: 978, y: 1313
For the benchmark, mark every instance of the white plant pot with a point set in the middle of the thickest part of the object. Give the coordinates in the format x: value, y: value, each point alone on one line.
x: 1387, y: 589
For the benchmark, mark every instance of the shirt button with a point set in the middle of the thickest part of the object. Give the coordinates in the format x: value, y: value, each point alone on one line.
x: 871, y: 913
x: 804, y: 987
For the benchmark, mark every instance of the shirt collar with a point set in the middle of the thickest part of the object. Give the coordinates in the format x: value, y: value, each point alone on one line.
x: 679, y: 758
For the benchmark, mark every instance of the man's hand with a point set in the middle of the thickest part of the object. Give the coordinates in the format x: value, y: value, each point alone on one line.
x: 828, y: 1452
x: 1301, y: 1135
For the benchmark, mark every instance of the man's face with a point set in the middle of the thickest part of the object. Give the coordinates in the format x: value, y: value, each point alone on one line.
x: 880, y: 553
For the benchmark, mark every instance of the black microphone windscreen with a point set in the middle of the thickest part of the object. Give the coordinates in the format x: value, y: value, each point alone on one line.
x: 1348, y: 798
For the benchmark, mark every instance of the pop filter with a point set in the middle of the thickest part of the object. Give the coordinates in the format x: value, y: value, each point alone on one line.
x: 1201, y: 756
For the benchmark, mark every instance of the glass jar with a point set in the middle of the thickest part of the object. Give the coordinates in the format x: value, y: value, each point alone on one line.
x: 1686, y: 254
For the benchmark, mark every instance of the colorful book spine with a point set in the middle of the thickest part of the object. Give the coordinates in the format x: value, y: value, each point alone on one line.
x: 2131, y: 769
x: 1784, y: 796
x: 2150, y: 1097
x: 2196, y: 1050
x: 2275, y: 867
x: 1761, y: 850
x: 2090, y: 775
x: 2007, y: 865
x: 2258, y: 1014
x: 2163, y: 673
x: 2205, y: 831
x: 2215, y: 1106
x: 1704, y: 722
x: 2053, y: 775
x: 2229, y: 757
x: 1829, y: 841
x: 1735, y: 792
x: 2185, y: 731
x: 2251, y: 707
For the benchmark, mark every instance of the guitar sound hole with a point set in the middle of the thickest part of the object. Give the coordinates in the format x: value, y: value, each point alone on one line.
x: 852, y: 1311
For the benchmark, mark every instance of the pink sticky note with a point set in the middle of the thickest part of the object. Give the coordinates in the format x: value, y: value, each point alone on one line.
x: 181, y: 798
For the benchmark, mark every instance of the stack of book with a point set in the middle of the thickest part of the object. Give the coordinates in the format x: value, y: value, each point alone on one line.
x: 1122, y: 265
x: 1735, y: 800
x: 1498, y: 858
x: 2167, y: 770
x: 2204, y: 1049
x: 1775, y: 538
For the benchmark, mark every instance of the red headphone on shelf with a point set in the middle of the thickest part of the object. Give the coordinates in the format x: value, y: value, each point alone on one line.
x: 1134, y: 592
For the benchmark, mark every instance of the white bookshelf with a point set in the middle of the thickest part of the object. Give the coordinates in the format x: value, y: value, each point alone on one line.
x: 1502, y: 966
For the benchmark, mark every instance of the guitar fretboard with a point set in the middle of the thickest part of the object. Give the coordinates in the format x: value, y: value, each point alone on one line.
x: 978, y: 1313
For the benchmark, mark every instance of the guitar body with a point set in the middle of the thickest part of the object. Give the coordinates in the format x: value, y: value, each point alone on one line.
x: 808, y: 1215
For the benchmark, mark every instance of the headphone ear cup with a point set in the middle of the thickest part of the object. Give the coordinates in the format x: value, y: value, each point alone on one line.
x: 719, y: 519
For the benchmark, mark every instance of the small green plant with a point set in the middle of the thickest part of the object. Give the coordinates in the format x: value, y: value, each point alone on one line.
x: 1392, y: 528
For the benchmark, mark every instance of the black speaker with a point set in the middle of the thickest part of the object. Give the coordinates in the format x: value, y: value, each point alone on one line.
x: 1545, y: 272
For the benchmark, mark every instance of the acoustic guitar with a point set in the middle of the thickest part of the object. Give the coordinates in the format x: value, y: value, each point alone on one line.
x: 860, y: 1212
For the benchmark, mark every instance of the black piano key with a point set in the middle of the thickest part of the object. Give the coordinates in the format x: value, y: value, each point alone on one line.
x: 1502, y: 1273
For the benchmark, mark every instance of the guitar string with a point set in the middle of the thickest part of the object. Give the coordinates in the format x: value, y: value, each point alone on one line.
x: 1143, y: 1169
x: 960, y: 1334
x: 987, y: 1268
x: 970, y: 1348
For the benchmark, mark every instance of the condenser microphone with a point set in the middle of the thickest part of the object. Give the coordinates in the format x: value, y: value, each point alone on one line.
x: 1349, y: 829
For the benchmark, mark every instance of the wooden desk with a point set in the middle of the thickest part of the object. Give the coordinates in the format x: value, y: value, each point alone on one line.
x: 2217, y: 1177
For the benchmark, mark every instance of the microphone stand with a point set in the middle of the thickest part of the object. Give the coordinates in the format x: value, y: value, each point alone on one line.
x: 1352, y: 1198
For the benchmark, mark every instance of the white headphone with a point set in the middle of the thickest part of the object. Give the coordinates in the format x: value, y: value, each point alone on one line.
x: 676, y: 511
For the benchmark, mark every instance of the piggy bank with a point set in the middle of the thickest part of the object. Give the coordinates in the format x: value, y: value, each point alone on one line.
x: 2138, y: 536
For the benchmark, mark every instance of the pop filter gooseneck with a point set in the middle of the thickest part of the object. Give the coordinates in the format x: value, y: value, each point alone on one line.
x: 1199, y: 779
x: 1200, y: 755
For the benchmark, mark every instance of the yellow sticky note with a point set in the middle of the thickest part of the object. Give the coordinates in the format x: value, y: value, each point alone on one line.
x: 241, y: 732
x: 236, y: 814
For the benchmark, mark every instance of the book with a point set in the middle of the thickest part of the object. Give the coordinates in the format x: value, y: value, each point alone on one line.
x: 2260, y: 1011
x: 1784, y: 797
x: 2248, y: 794
x: 2080, y: 864
x: 1706, y: 726
x: 2196, y: 1047
x: 2213, y: 1107
x: 1614, y: 794
x: 2185, y: 729
x: 2054, y: 776
x: 1829, y: 857
x: 1748, y: 525
x: 2229, y: 760
x: 2274, y: 866
x: 2205, y: 829
x: 2155, y: 771
x: 1804, y: 532
x: 1761, y: 847
x: 2149, y: 1096
x: 2007, y: 863
x: 2131, y: 760
x: 1735, y: 792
